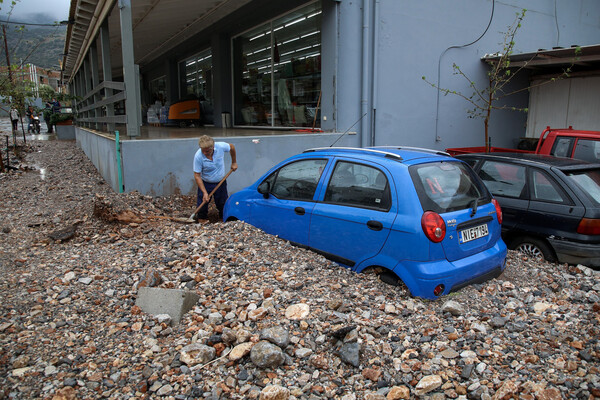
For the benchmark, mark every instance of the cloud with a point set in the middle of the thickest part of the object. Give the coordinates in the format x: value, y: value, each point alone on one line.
x: 34, y: 18
x: 36, y: 11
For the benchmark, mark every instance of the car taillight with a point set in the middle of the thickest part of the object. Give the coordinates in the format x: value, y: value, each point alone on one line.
x: 439, y: 289
x: 434, y: 227
x: 498, y: 210
x: 589, y: 226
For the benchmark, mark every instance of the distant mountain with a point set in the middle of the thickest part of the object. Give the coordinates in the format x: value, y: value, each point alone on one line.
x: 39, y: 45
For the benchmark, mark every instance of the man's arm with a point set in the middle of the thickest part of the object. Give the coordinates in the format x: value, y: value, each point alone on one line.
x: 200, y: 184
x: 234, y: 165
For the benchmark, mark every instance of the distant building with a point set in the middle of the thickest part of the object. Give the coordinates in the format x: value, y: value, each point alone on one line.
x: 38, y: 76
x: 41, y: 76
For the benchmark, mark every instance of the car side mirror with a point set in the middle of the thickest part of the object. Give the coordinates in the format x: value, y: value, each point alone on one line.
x: 264, y: 189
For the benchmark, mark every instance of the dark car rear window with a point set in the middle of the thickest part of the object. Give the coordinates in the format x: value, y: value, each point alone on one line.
x: 588, y: 150
x: 589, y: 182
x: 448, y: 186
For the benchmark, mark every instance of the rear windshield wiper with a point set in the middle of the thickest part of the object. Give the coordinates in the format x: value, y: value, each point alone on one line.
x: 474, y: 209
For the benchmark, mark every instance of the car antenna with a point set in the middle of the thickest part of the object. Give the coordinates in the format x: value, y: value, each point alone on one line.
x: 331, y: 145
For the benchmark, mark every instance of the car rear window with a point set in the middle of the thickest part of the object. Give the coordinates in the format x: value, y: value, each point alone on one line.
x: 589, y: 182
x: 503, y: 179
x: 448, y: 186
x: 563, y: 147
x: 588, y: 150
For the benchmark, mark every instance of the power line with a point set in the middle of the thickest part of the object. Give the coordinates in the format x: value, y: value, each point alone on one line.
x: 31, y: 24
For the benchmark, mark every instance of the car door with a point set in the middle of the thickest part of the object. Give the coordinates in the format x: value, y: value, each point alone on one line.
x: 507, y: 183
x: 287, y: 208
x: 551, y: 210
x: 353, y: 220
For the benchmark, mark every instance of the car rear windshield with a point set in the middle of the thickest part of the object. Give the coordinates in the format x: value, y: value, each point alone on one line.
x: 589, y: 182
x: 448, y: 186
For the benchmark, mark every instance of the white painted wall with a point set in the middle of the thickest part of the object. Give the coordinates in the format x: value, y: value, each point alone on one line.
x: 568, y: 102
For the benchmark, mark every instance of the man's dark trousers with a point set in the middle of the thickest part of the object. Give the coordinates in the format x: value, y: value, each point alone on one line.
x: 220, y: 197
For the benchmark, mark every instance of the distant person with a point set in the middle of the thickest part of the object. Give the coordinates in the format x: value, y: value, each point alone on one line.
x: 47, y: 115
x: 14, y: 118
x: 55, y: 106
x: 30, y: 113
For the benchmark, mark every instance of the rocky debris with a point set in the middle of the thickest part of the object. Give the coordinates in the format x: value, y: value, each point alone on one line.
x: 272, y: 321
x: 104, y: 210
x: 64, y: 234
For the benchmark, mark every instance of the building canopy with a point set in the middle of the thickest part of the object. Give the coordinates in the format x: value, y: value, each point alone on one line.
x: 158, y: 26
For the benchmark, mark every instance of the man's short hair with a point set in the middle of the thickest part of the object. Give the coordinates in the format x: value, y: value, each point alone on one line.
x: 206, y: 141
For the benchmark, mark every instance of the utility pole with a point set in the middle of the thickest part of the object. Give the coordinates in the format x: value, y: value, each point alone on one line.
x: 10, y: 79
x: 6, y: 51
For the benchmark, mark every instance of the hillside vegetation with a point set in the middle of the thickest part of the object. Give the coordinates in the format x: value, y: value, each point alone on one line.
x: 41, y: 46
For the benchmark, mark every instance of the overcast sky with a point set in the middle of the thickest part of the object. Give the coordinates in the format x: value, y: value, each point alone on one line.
x: 36, y: 11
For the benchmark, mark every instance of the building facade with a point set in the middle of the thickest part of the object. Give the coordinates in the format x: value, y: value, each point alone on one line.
x: 332, y: 66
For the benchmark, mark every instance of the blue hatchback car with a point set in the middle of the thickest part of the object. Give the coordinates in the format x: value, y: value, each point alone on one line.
x: 416, y: 215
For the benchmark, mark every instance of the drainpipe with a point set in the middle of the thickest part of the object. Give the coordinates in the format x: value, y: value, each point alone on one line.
x: 336, y: 64
x: 374, y: 82
x: 364, y: 102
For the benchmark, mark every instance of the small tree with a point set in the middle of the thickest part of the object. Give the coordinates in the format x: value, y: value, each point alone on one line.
x: 18, y: 90
x: 500, y: 75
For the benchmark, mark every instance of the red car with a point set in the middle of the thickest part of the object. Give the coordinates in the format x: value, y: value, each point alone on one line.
x: 569, y: 142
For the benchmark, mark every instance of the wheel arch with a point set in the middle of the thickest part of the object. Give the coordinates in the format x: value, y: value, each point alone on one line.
x: 381, y: 270
x: 541, y: 242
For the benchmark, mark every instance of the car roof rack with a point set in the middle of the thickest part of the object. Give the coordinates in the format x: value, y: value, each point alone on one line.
x: 358, y: 149
x: 423, y: 149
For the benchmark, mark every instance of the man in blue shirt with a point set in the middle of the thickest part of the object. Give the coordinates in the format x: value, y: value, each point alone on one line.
x: 209, y: 169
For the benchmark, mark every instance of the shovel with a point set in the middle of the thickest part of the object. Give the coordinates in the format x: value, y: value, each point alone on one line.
x: 193, y: 216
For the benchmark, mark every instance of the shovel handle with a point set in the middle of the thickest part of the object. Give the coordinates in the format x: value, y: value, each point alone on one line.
x: 211, y: 193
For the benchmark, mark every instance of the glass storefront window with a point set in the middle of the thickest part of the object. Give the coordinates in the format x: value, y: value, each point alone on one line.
x: 277, y: 71
x: 254, y: 95
x: 198, y: 82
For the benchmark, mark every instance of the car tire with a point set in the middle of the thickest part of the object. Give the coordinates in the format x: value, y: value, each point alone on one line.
x: 390, y: 278
x: 534, y: 248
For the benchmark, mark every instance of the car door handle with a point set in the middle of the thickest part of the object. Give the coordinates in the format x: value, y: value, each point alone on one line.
x: 375, y: 225
x: 300, y: 210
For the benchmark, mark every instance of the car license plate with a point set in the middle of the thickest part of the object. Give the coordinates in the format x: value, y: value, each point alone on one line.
x: 473, y: 233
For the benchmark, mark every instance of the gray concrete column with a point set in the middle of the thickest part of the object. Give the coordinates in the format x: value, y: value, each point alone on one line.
x: 87, y: 85
x: 138, y: 93
x: 75, y: 92
x: 93, y: 61
x: 107, y: 71
x: 174, y: 89
x: 221, y: 74
x: 132, y: 104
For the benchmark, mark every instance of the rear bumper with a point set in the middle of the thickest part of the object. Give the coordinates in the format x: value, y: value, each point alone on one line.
x: 423, y: 278
x: 576, y: 253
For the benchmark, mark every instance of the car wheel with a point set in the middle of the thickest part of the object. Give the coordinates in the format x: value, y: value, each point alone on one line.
x: 390, y: 278
x: 534, y: 248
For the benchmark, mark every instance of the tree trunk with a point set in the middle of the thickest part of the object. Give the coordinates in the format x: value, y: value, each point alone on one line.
x: 487, y: 140
x: 486, y: 121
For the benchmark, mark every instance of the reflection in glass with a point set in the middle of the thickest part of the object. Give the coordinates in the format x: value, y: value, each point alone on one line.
x: 198, y: 83
x: 278, y: 71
